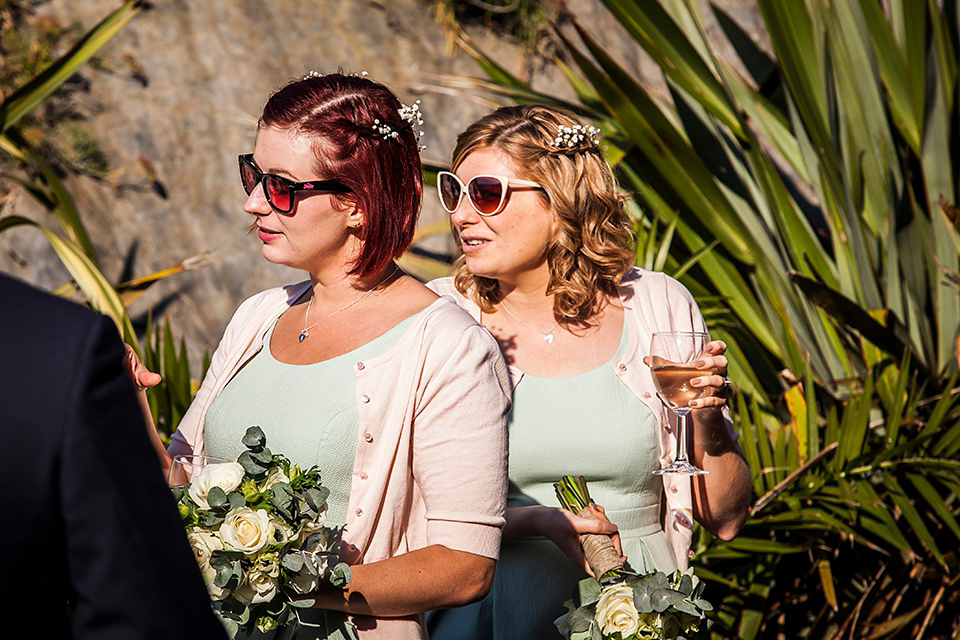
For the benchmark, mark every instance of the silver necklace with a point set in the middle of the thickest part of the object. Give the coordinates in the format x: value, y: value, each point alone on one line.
x: 548, y: 337
x: 306, y: 330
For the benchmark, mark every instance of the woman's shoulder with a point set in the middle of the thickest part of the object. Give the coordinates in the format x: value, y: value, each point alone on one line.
x: 267, y: 303
x: 651, y: 284
x: 445, y: 287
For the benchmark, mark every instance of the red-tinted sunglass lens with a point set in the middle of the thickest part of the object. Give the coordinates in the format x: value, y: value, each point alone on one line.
x: 278, y: 193
x: 485, y: 193
x: 449, y: 192
x: 248, y: 177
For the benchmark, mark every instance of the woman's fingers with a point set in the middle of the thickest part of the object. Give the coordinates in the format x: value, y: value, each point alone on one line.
x: 142, y: 377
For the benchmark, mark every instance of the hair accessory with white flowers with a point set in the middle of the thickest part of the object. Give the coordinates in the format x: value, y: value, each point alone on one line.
x: 577, y: 137
x: 411, y: 115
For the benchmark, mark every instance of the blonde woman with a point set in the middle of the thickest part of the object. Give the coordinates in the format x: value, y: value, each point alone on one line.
x: 546, y: 266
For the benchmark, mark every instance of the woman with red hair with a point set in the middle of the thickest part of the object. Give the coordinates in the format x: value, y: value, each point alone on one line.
x: 397, y: 395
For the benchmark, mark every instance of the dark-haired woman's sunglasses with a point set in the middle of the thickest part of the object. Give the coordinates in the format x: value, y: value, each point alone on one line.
x: 279, y: 191
x: 487, y: 194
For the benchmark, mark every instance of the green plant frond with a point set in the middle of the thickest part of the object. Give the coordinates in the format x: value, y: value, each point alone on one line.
x: 39, y: 88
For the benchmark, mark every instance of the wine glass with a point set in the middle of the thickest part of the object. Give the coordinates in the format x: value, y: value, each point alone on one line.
x: 672, y: 355
x: 185, y: 466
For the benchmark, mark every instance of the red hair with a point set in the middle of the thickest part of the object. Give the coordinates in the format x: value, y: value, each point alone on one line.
x: 385, y: 176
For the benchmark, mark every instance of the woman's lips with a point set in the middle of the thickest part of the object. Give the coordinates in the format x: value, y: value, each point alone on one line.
x: 266, y: 235
x: 472, y: 244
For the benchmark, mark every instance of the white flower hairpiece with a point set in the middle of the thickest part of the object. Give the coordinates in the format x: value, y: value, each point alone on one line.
x: 411, y: 115
x: 576, y: 136
x: 317, y: 74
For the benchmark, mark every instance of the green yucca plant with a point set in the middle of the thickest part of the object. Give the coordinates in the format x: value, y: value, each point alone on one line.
x: 170, y: 399
x: 813, y: 202
x: 68, y: 236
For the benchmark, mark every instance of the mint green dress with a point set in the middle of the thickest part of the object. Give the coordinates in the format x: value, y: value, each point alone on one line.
x: 591, y: 425
x: 308, y: 414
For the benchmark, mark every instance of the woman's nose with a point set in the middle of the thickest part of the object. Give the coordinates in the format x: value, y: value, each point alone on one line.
x: 465, y: 214
x: 256, y: 203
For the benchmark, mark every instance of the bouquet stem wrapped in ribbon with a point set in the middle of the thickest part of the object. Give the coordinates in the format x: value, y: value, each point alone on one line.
x: 619, y: 604
x: 256, y: 527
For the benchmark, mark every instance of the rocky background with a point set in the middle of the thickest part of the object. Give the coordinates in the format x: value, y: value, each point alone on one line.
x: 176, y: 95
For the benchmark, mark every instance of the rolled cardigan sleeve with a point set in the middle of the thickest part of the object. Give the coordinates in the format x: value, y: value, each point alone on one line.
x: 460, y: 444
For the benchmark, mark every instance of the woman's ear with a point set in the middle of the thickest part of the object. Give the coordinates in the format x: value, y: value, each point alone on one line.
x: 355, y: 217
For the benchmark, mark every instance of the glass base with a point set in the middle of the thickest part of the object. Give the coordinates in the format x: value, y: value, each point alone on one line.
x: 681, y: 467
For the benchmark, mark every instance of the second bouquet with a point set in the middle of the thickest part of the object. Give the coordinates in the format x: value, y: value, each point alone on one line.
x: 256, y: 526
x: 619, y: 604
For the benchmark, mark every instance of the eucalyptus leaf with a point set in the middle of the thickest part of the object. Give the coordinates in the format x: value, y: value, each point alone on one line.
x: 316, y: 498
x: 216, y: 497
x: 341, y: 575
x: 588, y: 591
x: 251, y: 466
x: 581, y: 619
x: 235, y: 500
x: 254, y: 439
x: 292, y: 561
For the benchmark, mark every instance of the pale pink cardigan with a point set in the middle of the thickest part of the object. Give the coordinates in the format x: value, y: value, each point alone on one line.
x: 652, y: 301
x: 431, y: 465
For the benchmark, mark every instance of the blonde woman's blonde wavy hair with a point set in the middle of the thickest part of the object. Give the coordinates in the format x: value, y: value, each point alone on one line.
x: 592, y: 249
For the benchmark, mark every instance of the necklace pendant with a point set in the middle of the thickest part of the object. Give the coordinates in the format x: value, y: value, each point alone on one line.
x: 548, y: 338
x: 303, y: 335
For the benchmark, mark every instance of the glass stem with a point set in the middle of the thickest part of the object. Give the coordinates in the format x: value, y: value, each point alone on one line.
x: 682, y: 436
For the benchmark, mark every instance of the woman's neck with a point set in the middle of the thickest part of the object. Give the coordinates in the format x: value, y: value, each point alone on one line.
x: 334, y: 286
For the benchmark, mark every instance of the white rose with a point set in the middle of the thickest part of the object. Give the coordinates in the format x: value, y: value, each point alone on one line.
x: 247, y: 530
x: 276, y: 475
x: 258, y: 588
x: 268, y: 563
x: 312, y: 527
x: 226, y: 475
x: 204, y: 544
x: 283, y: 531
x: 616, y: 611
x: 305, y: 581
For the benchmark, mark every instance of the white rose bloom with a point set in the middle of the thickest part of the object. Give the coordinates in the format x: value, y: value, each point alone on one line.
x: 305, y: 581
x: 284, y: 532
x: 310, y: 528
x: 616, y: 611
x: 276, y: 475
x: 258, y: 588
x: 204, y: 543
x: 247, y: 530
x: 226, y: 475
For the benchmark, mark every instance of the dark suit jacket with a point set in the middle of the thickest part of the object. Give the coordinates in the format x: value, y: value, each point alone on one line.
x: 86, y: 515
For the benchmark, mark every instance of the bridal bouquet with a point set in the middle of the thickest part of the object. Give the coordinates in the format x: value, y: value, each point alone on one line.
x: 256, y: 528
x: 619, y: 604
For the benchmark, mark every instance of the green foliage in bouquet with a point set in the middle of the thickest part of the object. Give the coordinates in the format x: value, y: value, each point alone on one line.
x: 256, y: 529
x: 622, y: 605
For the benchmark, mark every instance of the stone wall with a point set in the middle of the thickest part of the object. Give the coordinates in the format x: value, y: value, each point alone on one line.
x: 177, y: 96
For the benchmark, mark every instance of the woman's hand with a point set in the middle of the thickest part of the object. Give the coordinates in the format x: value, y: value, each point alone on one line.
x: 563, y: 528
x: 715, y: 384
x: 142, y: 377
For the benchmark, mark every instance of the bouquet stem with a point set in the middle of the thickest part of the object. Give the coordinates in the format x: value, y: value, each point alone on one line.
x: 602, y: 556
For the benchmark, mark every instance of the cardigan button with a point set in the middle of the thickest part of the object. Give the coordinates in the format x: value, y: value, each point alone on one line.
x: 646, y: 394
x: 368, y: 437
x: 359, y: 366
x: 623, y: 367
x: 363, y: 475
x: 359, y: 512
x: 673, y: 489
x: 364, y: 398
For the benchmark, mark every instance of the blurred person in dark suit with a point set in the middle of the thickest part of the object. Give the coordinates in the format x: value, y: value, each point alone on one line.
x: 92, y: 542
